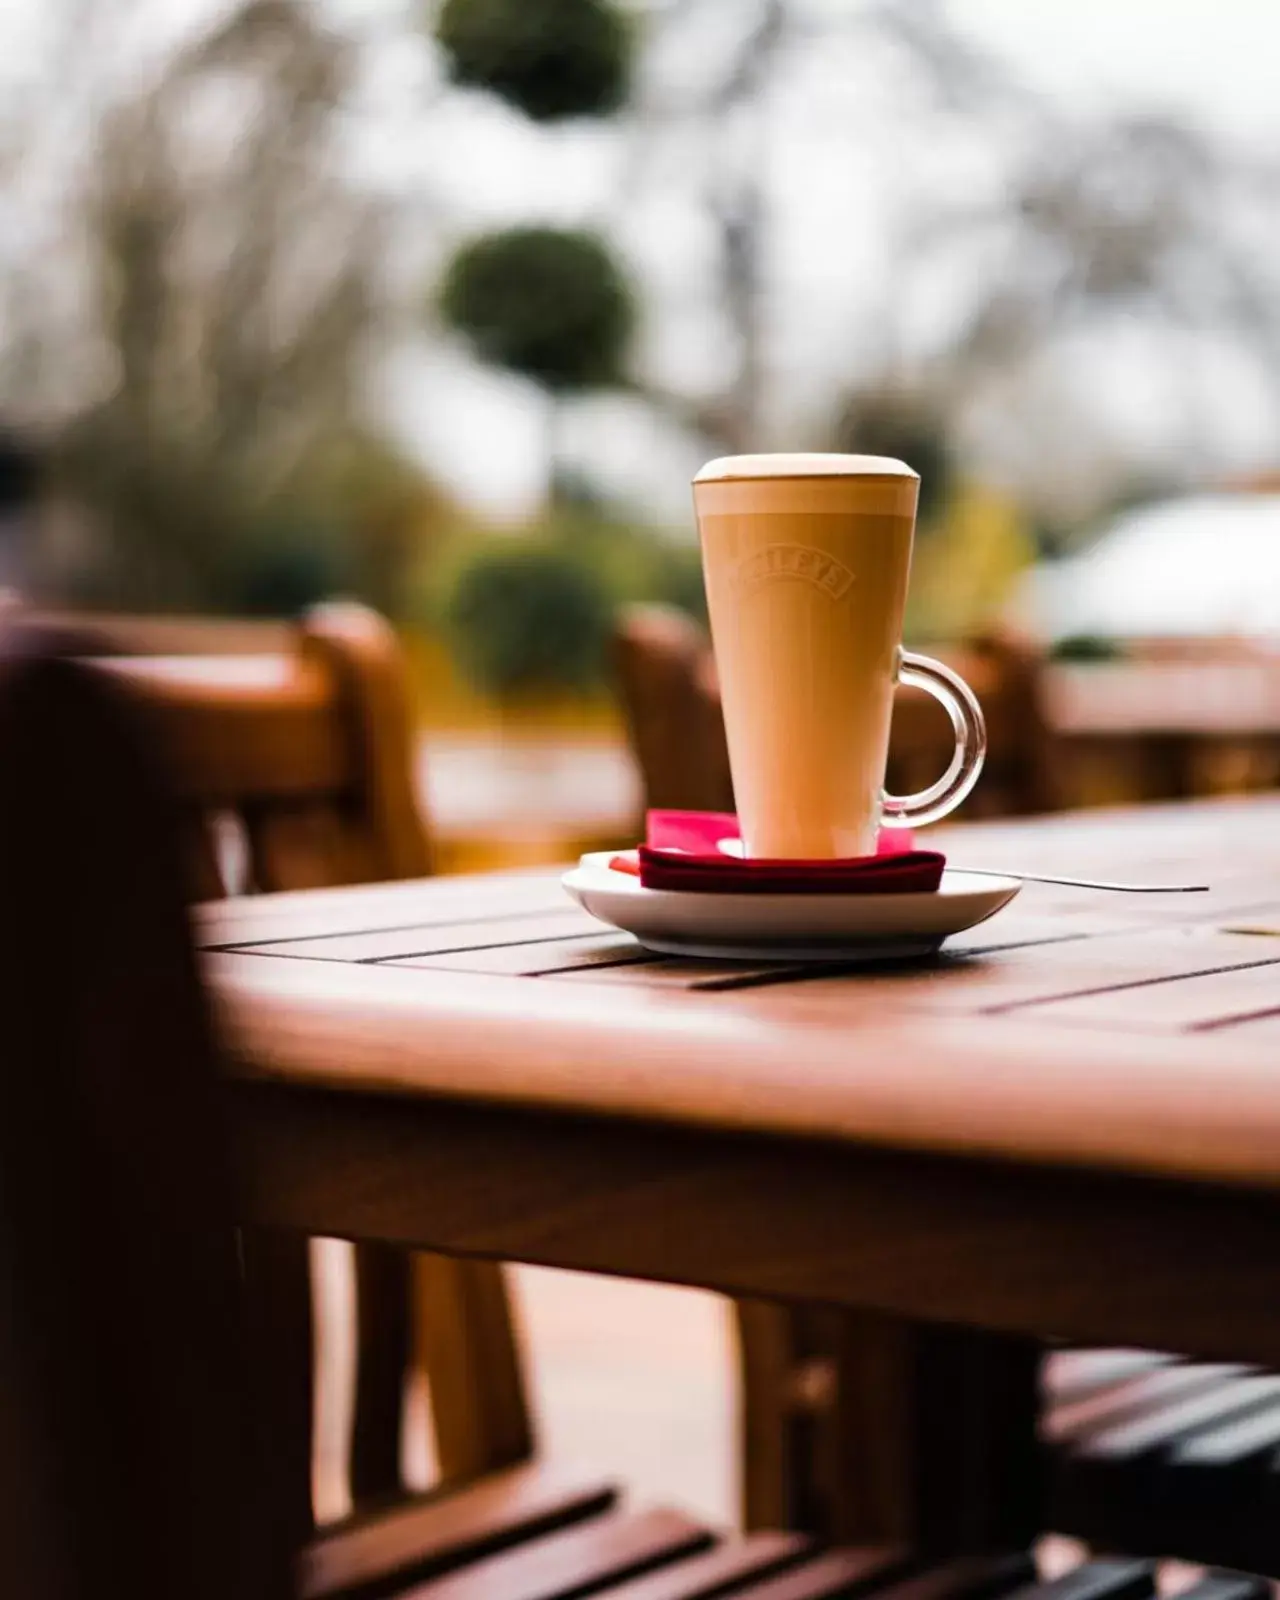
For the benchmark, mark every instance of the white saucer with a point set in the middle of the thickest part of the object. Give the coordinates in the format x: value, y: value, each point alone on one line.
x: 792, y: 927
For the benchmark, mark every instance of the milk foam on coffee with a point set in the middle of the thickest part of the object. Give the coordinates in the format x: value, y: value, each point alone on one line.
x: 806, y: 559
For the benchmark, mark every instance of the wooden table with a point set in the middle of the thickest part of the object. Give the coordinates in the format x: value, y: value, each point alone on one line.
x: 1068, y: 1125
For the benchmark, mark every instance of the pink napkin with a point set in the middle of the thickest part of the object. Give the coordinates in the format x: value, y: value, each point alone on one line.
x: 683, y: 851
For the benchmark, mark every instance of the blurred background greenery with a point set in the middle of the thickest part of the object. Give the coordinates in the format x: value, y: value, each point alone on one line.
x: 260, y: 261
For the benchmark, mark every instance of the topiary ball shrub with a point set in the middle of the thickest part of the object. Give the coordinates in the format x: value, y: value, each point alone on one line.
x: 549, y: 58
x: 550, y: 304
x: 281, y: 568
x: 526, y: 620
x: 1086, y: 647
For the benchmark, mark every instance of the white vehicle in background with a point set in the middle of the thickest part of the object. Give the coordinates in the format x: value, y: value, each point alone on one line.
x: 1204, y: 567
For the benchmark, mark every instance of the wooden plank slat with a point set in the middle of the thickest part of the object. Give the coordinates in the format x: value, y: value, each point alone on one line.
x: 726, y: 1567
x: 1192, y: 1000
x: 1227, y: 1586
x: 437, y: 938
x: 576, y: 1561
x: 1240, y: 1443
x: 1071, y: 1376
x: 968, y: 1578
x: 1097, y: 1580
x: 1120, y: 1444
x: 378, y: 1553
x: 371, y: 908
x: 1143, y: 1395
x: 847, y: 1572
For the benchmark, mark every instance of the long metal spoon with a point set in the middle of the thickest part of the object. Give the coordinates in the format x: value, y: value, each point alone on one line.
x: 1090, y: 883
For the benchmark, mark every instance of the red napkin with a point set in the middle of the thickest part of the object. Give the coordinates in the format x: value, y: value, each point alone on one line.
x: 683, y: 851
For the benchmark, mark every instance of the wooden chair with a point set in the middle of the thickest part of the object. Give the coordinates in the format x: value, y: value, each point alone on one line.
x: 1023, y: 773
x: 129, y: 1460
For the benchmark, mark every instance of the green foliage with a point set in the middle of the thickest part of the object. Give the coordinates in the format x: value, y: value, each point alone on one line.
x: 550, y: 58
x: 544, y: 302
x: 1086, y: 647
x: 526, y: 618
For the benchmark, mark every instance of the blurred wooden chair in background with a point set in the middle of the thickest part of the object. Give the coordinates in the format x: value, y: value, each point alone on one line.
x: 1023, y: 773
x: 671, y: 705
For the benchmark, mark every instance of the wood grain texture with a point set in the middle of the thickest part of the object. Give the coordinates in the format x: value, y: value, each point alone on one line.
x: 730, y: 1565
x: 1026, y: 1249
x: 848, y: 1572
x: 575, y: 1561
x: 379, y: 1553
x: 859, y: 1058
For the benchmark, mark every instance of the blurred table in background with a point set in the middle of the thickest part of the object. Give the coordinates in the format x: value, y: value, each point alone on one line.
x: 1167, y: 729
x: 1132, y: 731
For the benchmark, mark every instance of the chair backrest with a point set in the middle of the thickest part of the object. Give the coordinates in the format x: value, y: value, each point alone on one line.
x: 309, y: 749
x: 294, y: 768
x: 130, y: 1463
x: 1023, y: 773
x: 671, y: 702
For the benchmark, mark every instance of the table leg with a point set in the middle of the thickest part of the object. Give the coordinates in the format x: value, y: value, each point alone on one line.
x: 864, y: 1427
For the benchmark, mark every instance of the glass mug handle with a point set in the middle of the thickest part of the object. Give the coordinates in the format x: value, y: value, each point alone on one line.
x: 961, y: 705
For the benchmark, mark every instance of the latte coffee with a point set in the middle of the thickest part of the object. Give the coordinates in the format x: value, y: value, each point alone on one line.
x: 806, y: 559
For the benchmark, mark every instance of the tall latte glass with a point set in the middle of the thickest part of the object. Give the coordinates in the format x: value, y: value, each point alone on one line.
x: 806, y: 560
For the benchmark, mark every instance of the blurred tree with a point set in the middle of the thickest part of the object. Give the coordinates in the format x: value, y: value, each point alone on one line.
x: 550, y: 58
x: 284, y: 565
x: 228, y: 281
x: 527, y: 619
x: 549, y: 304
x: 390, y: 517
x: 1022, y: 240
x: 1099, y: 229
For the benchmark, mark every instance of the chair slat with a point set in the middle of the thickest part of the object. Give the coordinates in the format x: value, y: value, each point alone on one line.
x: 380, y: 1553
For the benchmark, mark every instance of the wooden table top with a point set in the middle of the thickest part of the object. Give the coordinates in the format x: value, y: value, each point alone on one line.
x: 1134, y: 1033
